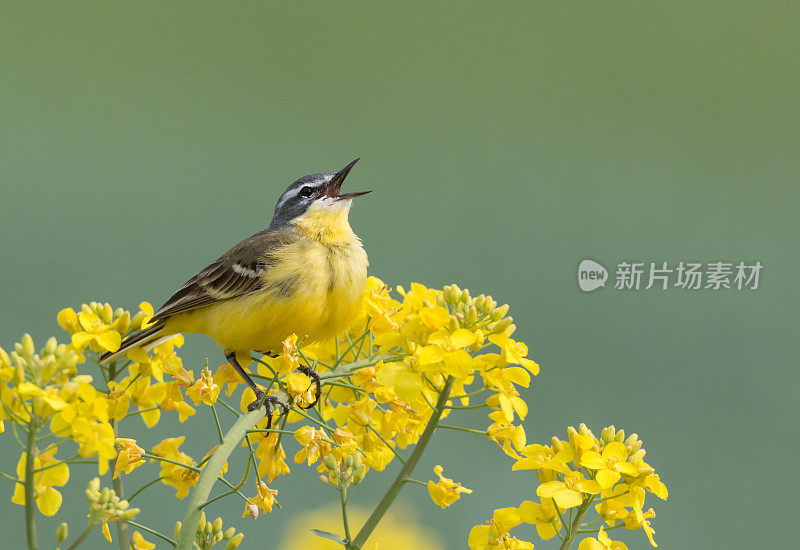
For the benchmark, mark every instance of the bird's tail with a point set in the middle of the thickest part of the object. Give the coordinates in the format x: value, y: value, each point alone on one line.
x: 145, y: 339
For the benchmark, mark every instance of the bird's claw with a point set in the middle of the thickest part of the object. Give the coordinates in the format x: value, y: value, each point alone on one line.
x: 308, y: 371
x: 270, y: 401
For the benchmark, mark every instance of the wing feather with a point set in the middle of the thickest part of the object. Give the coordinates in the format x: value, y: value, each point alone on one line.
x: 236, y: 273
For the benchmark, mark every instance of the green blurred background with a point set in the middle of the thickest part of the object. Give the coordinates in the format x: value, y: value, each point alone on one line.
x: 504, y: 145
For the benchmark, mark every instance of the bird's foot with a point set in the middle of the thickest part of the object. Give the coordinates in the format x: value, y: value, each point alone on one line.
x: 270, y: 402
x: 308, y: 371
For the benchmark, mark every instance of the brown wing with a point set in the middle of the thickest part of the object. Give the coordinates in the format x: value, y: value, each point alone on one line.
x: 236, y: 273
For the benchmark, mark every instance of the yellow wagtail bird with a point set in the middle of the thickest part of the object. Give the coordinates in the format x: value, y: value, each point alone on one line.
x: 305, y: 274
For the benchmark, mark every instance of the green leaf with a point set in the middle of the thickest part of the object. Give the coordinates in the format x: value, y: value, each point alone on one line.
x: 326, y: 535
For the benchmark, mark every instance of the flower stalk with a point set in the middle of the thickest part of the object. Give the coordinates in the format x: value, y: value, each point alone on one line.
x: 574, y: 527
x: 209, y: 475
x: 30, y: 499
x: 407, y: 469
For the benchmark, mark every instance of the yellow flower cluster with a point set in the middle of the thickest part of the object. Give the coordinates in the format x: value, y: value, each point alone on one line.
x: 382, y: 377
x: 607, y: 473
x: 404, y: 361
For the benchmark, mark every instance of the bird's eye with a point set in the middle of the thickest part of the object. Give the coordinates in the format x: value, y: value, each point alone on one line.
x: 306, y: 191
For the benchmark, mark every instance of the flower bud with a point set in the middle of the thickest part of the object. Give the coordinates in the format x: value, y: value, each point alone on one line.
x: 106, y: 313
x: 557, y: 444
x: 177, y: 530
x: 229, y: 532
x: 129, y: 514
x: 499, y: 312
x: 361, y: 472
x: 123, y: 322
x: 452, y: 294
x: 480, y: 303
x: 27, y: 346
x: 51, y: 346
x: 607, y: 435
x: 234, y: 542
x: 465, y: 297
x: 472, y: 315
x: 620, y: 436
x: 502, y: 325
x: 440, y: 301
x: 324, y: 479
x: 91, y: 489
x: 638, y: 455
x: 62, y: 532
x: 571, y: 433
x: 330, y: 463
x: 454, y: 326
x: 632, y: 440
x: 202, y: 523
x: 217, y: 526
x: 209, y: 528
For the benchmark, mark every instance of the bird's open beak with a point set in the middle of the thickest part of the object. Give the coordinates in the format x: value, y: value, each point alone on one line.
x: 334, y: 186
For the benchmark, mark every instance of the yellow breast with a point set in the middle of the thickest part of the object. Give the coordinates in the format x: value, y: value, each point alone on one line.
x: 313, y: 286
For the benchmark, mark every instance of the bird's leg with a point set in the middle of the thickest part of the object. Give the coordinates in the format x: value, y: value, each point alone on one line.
x: 308, y: 371
x: 269, y: 401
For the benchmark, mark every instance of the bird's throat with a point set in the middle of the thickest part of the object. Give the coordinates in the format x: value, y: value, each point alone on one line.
x: 327, y: 224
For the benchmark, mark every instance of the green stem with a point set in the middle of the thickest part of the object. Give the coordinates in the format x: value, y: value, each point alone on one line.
x: 80, y: 539
x: 73, y: 458
x: 151, y: 531
x: 574, y: 527
x: 407, y: 468
x: 460, y: 429
x: 412, y: 480
x: 343, y: 499
x: 143, y: 487
x: 30, y: 500
x: 209, y: 475
x: 123, y: 536
x: 12, y: 478
x: 216, y: 421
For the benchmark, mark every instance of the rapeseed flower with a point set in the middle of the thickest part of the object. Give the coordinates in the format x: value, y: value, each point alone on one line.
x: 445, y: 491
x: 56, y: 474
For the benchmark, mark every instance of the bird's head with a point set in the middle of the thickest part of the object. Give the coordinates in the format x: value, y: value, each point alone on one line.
x: 316, y: 198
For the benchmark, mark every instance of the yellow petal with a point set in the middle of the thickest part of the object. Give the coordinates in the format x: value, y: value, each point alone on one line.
x: 607, y: 477
x: 591, y: 544
x: 615, y: 449
x: 57, y: 475
x: 48, y: 501
x: 68, y: 320
x: 106, y: 532
x: 548, y: 489
x: 109, y: 340
x: 567, y: 498
x: 462, y: 338
x: 19, y: 494
x: 139, y: 543
x: 593, y: 460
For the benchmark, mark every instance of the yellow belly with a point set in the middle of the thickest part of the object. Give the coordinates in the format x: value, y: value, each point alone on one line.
x: 310, y: 289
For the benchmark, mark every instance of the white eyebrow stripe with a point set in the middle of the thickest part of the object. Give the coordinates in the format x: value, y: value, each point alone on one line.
x: 293, y: 192
x: 286, y: 196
